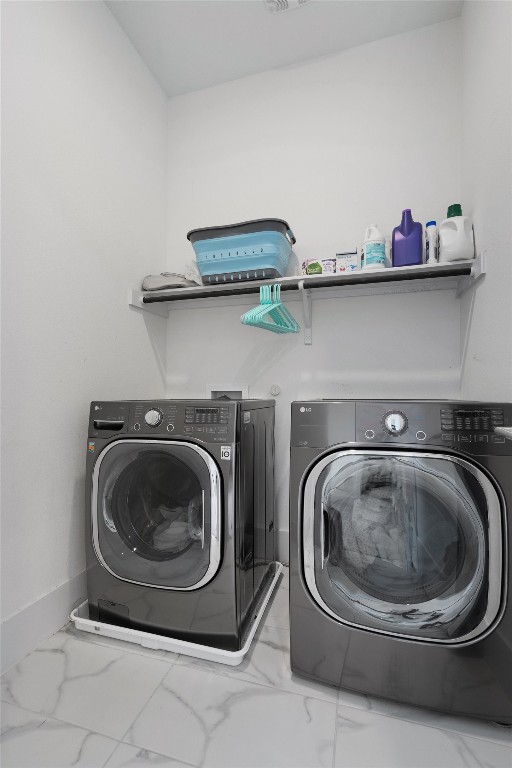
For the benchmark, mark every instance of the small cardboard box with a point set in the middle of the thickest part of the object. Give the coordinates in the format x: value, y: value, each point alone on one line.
x: 348, y: 261
x: 319, y: 267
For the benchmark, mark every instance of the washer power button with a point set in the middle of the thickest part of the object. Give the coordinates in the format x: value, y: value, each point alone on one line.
x: 369, y: 434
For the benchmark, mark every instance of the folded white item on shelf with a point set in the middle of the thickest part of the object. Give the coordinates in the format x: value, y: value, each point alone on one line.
x: 171, y: 280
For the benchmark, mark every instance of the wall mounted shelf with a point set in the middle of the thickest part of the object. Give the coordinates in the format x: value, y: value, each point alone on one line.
x: 461, y: 275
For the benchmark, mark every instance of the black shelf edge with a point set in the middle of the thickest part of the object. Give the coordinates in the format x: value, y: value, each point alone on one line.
x: 223, y: 289
x: 389, y: 275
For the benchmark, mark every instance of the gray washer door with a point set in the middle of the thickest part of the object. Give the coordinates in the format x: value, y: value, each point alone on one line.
x: 403, y: 543
x: 156, y: 516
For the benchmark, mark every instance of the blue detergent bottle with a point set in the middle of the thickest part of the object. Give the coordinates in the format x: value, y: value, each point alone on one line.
x: 407, y: 242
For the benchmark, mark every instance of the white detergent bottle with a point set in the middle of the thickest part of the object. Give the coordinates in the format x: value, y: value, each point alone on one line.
x: 373, y: 249
x: 456, y: 238
x: 431, y: 250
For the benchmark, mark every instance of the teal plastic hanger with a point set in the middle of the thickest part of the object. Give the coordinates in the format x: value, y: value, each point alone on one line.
x: 279, y: 312
x: 260, y: 316
x: 271, y: 314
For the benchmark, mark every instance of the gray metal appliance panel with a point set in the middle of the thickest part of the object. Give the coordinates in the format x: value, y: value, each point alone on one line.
x: 255, y: 522
x: 320, y: 425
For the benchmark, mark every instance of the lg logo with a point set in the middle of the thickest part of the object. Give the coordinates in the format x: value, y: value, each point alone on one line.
x: 305, y: 410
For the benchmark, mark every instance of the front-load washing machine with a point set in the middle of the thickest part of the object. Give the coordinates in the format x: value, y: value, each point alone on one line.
x: 180, y: 516
x: 400, y: 585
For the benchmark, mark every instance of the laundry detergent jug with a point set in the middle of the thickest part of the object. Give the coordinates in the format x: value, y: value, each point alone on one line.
x: 407, y: 242
x: 456, y: 237
x: 373, y: 249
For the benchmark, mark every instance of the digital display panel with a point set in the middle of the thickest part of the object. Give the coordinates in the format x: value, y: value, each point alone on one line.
x: 207, y: 410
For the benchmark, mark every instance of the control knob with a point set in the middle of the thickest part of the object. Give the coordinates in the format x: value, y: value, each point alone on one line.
x: 395, y: 423
x: 153, y: 417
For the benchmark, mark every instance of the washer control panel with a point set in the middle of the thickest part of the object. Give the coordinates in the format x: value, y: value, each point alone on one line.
x: 206, y: 415
x: 213, y: 424
x: 148, y: 417
x: 181, y: 419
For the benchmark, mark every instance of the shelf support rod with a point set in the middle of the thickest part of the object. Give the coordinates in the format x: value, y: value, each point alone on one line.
x: 135, y: 300
x: 306, y: 305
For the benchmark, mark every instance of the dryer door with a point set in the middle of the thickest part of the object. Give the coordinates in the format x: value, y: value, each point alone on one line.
x: 402, y: 543
x: 156, y: 516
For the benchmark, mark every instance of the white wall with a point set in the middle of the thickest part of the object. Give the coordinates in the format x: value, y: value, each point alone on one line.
x: 487, y: 195
x: 331, y: 146
x: 84, y: 204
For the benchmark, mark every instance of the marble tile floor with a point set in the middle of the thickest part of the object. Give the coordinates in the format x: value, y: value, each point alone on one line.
x: 87, y: 701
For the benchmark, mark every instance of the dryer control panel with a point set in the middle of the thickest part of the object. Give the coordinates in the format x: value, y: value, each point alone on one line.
x: 462, y: 426
x: 473, y: 426
x: 472, y: 420
x: 459, y: 425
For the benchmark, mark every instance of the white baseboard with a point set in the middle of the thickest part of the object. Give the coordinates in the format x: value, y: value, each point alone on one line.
x: 30, y: 627
x: 283, y: 546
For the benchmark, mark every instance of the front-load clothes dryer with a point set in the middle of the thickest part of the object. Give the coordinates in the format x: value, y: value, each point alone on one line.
x: 400, y: 584
x: 180, y: 516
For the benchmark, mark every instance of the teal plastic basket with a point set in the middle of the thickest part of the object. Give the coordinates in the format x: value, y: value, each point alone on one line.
x: 251, y: 250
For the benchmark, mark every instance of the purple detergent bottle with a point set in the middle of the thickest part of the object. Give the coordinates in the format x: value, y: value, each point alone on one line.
x: 407, y: 242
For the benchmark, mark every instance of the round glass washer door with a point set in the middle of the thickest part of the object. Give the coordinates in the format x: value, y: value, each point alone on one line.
x: 156, y: 513
x: 404, y: 543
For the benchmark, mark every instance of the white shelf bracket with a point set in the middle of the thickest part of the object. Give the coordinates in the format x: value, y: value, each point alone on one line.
x: 135, y: 300
x: 478, y: 271
x: 306, y: 304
